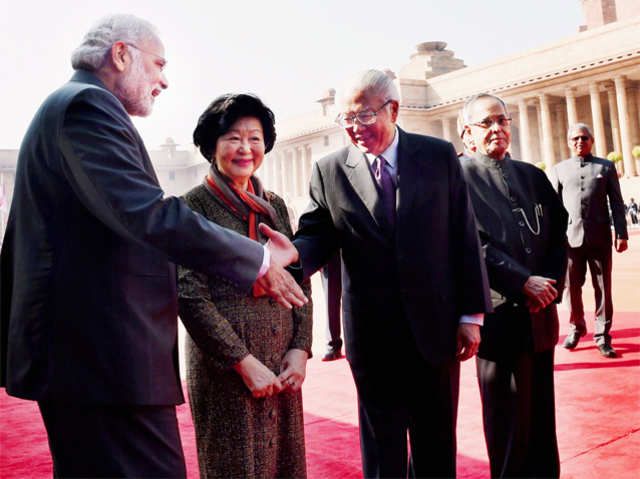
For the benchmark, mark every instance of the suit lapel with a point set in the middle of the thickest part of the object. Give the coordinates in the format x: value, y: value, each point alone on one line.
x: 359, y: 175
x: 409, y: 174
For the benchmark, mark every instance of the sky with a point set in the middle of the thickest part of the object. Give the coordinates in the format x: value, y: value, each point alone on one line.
x: 287, y: 52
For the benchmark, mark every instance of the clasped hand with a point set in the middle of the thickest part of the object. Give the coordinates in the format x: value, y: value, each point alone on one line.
x: 277, y: 282
x: 262, y: 382
x: 540, y: 292
x: 294, y: 369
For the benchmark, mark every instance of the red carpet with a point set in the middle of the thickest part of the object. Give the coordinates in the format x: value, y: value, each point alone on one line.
x: 597, y: 407
x: 597, y: 399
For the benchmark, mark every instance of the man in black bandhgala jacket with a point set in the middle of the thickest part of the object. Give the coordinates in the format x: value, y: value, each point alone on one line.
x: 522, y: 226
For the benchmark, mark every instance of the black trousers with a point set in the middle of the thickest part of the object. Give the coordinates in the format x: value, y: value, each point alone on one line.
x: 409, y: 396
x: 518, y: 411
x: 332, y: 285
x: 599, y: 261
x: 89, y: 440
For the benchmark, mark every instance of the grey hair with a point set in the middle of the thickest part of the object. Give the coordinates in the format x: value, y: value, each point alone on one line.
x: 374, y: 82
x: 468, y: 105
x: 92, y: 53
x: 578, y: 126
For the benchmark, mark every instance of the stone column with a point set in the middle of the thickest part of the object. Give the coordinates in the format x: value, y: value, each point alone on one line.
x: 572, y: 112
x: 448, y: 130
x: 598, y: 124
x: 547, y: 132
x: 280, y: 172
x: 561, y: 132
x: 634, y: 122
x: 295, y: 172
x: 525, y: 133
x: 308, y: 152
x: 290, y: 159
x: 625, y: 131
x: 613, y: 118
x: 273, y: 160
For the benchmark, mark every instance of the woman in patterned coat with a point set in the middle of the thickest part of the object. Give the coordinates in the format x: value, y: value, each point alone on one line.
x: 246, y: 355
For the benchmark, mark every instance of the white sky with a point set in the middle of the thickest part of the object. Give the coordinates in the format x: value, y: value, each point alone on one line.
x: 288, y: 52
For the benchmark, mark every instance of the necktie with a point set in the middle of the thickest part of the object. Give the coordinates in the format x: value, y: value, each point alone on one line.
x: 387, y: 189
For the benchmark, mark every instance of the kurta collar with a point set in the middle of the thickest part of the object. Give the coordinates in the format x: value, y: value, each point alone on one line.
x: 585, y: 158
x: 490, y: 162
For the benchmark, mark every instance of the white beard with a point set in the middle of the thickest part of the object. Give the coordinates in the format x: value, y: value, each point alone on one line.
x: 132, y: 88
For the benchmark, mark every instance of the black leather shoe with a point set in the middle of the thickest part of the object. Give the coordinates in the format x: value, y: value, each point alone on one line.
x: 607, y: 351
x: 571, y: 341
x: 332, y: 355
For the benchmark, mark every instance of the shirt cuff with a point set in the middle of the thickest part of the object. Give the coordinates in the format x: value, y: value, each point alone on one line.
x: 266, y: 261
x: 472, y: 319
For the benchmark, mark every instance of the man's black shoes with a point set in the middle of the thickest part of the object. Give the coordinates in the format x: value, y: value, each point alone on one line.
x: 571, y: 341
x: 332, y: 355
x: 607, y: 350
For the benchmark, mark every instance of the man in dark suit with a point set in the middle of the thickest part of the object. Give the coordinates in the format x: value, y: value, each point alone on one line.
x: 522, y: 228
x: 88, y: 286
x: 584, y: 183
x: 414, y: 281
x: 332, y: 286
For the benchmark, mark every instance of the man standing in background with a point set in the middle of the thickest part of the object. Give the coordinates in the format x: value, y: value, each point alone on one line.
x: 584, y: 183
x: 332, y: 286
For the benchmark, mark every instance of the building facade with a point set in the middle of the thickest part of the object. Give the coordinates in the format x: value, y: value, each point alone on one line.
x: 591, y: 77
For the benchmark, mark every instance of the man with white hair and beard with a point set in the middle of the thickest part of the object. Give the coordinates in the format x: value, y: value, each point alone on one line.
x: 88, y: 285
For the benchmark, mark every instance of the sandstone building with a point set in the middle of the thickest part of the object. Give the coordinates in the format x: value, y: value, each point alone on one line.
x: 591, y: 77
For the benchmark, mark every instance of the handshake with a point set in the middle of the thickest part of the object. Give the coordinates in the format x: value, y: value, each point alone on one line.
x: 277, y: 282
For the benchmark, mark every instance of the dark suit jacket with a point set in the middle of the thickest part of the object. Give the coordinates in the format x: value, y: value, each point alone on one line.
x: 88, y: 284
x: 426, y: 272
x: 509, y: 197
x: 584, y: 185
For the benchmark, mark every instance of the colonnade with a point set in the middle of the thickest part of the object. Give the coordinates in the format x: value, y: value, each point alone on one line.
x: 287, y: 170
x: 541, y: 120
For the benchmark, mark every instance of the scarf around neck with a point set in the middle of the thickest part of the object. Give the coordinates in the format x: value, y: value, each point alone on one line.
x: 251, y: 205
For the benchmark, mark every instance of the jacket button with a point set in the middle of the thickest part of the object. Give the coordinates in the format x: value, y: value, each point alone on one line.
x: 527, y: 250
x: 520, y: 223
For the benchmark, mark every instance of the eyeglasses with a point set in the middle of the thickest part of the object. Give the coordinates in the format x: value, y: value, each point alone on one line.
x: 583, y: 138
x: 489, y: 122
x: 162, y: 59
x: 365, y: 118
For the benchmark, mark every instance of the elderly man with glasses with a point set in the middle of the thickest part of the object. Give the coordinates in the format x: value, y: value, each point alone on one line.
x: 522, y: 227
x: 584, y: 183
x: 396, y: 206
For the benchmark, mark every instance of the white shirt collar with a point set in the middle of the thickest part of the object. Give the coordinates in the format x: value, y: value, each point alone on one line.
x: 390, y: 154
